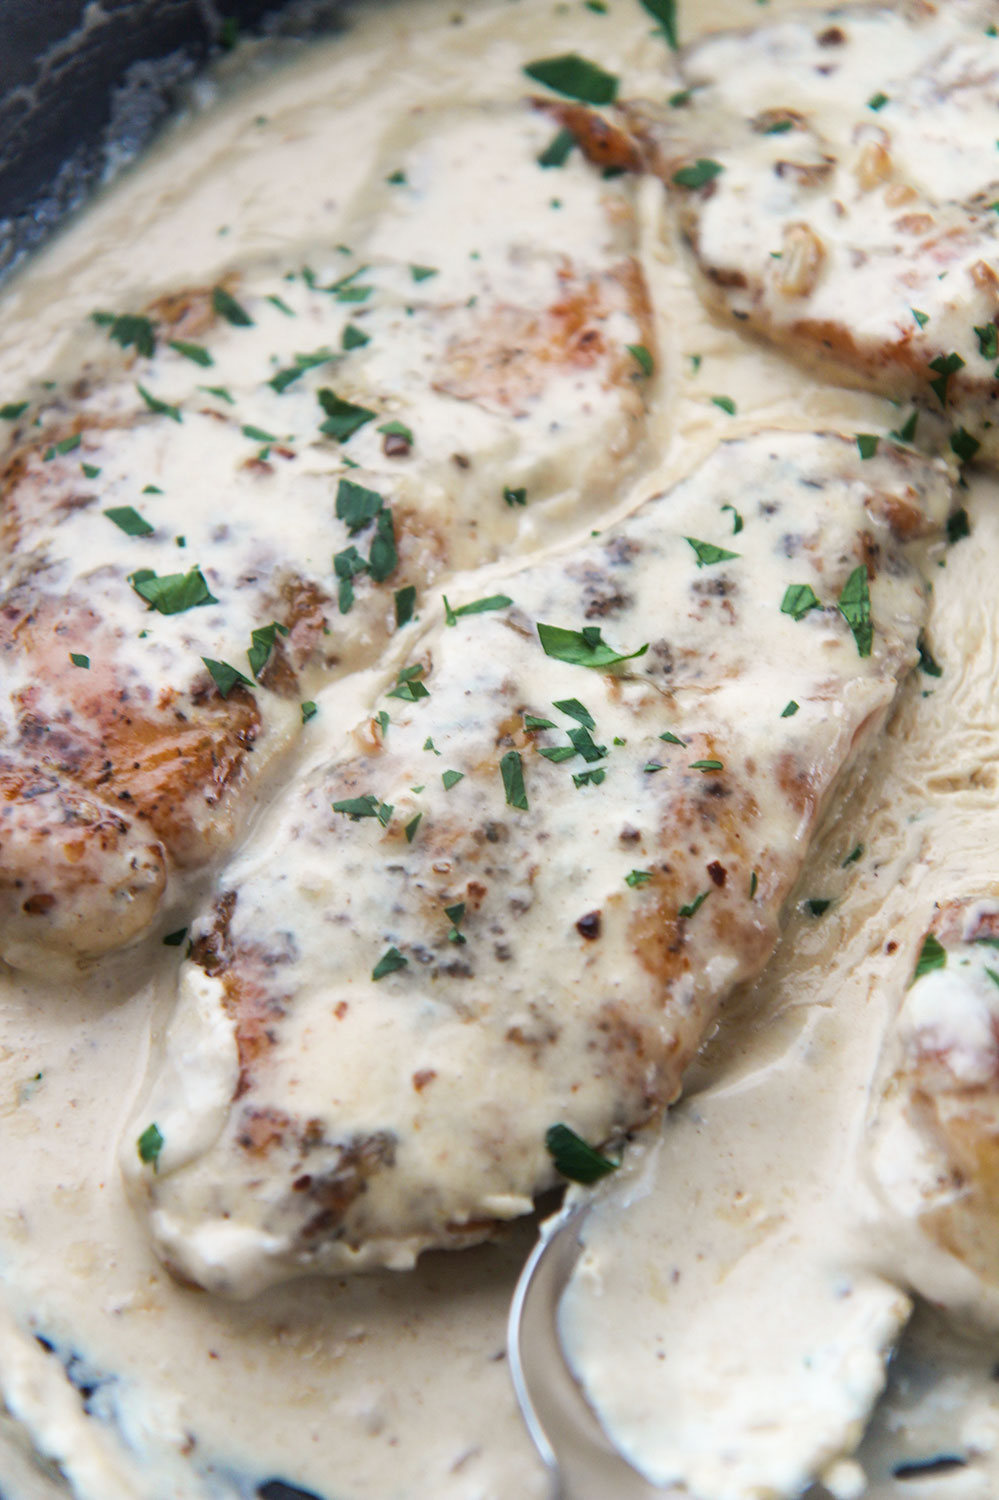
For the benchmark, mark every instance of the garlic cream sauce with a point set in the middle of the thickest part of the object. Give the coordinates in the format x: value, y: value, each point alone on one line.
x: 118, y: 1382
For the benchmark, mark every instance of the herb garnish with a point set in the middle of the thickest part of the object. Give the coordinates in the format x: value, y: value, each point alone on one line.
x: 672, y: 739
x: 225, y: 677
x: 575, y: 710
x: 590, y: 778
x: 174, y: 939
x: 79, y: 660
x: 642, y: 358
x: 798, y: 599
x: 877, y: 101
x: 411, y: 827
x: 397, y: 430
x: 817, y: 906
x: 512, y: 772
x: 356, y: 505
x: 573, y: 1158
x: 451, y: 778
x: 791, y: 709
x: 456, y: 915
x: 129, y: 330
x: 173, y: 593
x: 988, y: 341
x: 945, y: 365
x: 264, y: 639
x: 343, y: 418
x: 286, y: 377
x: 854, y: 605
x: 927, y: 661
x: 128, y: 520
x: 160, y: 408
x: 91, y: 471
x: 405, y: 603
x: 389, y: 962
x: 957, y: 526
x: 149, y: 1146
x: 907, y: 433
x: 695, y: 905
x: 636, y: 878
x: 531, y: 721
x: 582, y: 648
x: 664, y: 11
x: 225, y: 304
x: 477, y: 607
x: 707, y: 553
x: 932, y: 955
x: 964, y: 445
x: 867, y: 444
x: 736, y: 519
x: 725, y: 403
x: 703, y: 171
x: 855, y: 853
x: 556, y: 153
x: 410, y: 688
x: 220, y: 391
x: 354, y: 337
x: 574, y: 77
x: 66, y: 445
x: 345, y: 565
x: 706, y: 765
x: 514, y: 497
x: 11, y: 410
x: 197, y: 353
x: 309, y: 710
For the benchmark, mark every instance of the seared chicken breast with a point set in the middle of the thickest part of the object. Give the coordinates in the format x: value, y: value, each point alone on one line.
x: 836, y: 177
x: 242, y: 491
x: 565, y: 833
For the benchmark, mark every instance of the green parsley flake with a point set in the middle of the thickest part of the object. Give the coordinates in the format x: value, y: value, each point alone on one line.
x: 451, y: 778
x: 575, y: 710
x: 590, y: 778
x: 932, y: 955
x: 672, y: 739
x: 706, y: 765
x: 225, y: 677
x: 573, y: 1158
x: 556, y: 153
x: 988, y: 341
x: 281, y: 305
x: 286, y: 377
x: 798, y: 599
x: 582, y: 648
x: 642, y: 358
x: 854, y: 605
x: 703, y: 171
x: 64, y: 446
x: 725, y: 403
x: 664, y: 11
x: 927, y: 661
x: 343, y: 418
x: 130, y: 330
x: 11, y: 410
x: 867, y: 444
x: 410, y: 689
x: 354, y: 337
x: 91, y: 471
x: 258, y: 435
x: 389, y: 962
x: 907, y: 433
x: 512, y: 772
x: 174, y: 939
x: 149, y: 1145
x: 173, y: 593
x: 411, y: 827
x: 791, y: 709
x: 383, y: 558
x: 79, y: 660
x: 423, y: 273
x: 477, y: 607
x: 857, y: 852
x: 637, y: 878
x: 455, y: 915
x: 356, y: 505
x: 514, y: 497
x: 220, y: 392
x: 405, y: 603
x: 396, y: 178
x: 957, y: 526
x: 817, y: 906
x: 531, y: 721
x: 128, y: 520
x: 877, y: 101
x: 695, y: 905
x: 964, y: 445
x: 225, y: 304
x: 707, y: 553
x: 428, y: 744
x: 736, y: 519
x: 397, y: 430
x: 945, y: 365
x: 197, y: 353
x: 158, y: 407
x: 753, y: 885
x: 309, y: 710
x: 263, y: 639
x: 574, y: 77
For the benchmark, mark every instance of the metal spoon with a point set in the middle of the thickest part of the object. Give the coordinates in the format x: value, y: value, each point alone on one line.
x: 564, y: 1429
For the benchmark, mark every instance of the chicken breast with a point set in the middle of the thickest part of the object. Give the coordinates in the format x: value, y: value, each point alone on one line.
x: 565, y: 834
x: 243, y: 491
x: 836, y: 177
x: 934, y: 1136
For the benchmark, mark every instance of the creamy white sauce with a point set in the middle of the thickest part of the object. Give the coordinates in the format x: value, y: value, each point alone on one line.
x: 387, y: 1387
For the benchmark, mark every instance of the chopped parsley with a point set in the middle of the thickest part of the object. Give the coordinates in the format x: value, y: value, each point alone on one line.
x: 907, y: 433
x: 531, y: 721
x: 197, y: 353
x: 286, y: 377
x: 258, y: 434
x: 281, y: 305
x: 158, y: 407
x: 791, y: 709
x: 664, y: 11
x: 79, y: 660
x: 397, y: 430
x: 932, y: 955
x: 128, y: 520
x: 396, y: 178
x: 423, y: 273
x: 173, y: 593
x: 855, y: 853
x: 798, y: 599
x: 309, y: 710
x: 964, y: 445
x: 409, y: 687
x: 91, y: 471
x: 343, y: 418
x: 817, y: 906
x: 590, y: 778
x: 867, y: 444
x: 224, y: 676
x: 512, y: 772
x: 725, y: 403
x: 220, y: 392
x: 11, y: 410
x: 383, y: 557
x: 405, y: 603
x: 877, y: 101
x: 354, y: 337
x: 854, y: 605
x: 556, y: 153
x: 64, y: 446
x: 130, y: 330
x: 514, y: 497
x: 149, y: 1145
x: 706, y: 765
x: 642, y: 358
x: 390, y: 961
x: 921, y: 318
x: 736, y: 519
x: 575, y: 77
x: 573, y: 1158
x: 225, y: 304
x: 477, y: 607
x: 945, y: 366
x: 703, y: 171
x: 957, y: 526
x: 346, y: 565
x: 707, y: 553
x: 636, y: 878
x: 695, y: 905
x: 456, y: 915
x: 575, y: 710
x: 753, y: 885
x: 428, y: 744
x: 174, y: 939
x: 263, y: 640
x: 451, y: 778
x: 582, y: 648
x: 411, y: 827
x: 672, y: 739
x: 988, y: 341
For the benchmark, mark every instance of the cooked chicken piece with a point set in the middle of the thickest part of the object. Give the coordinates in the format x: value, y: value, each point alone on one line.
x: 299, y: 458
x: 521, y: 898
x: 934, y: 1139
x: 836, y: 176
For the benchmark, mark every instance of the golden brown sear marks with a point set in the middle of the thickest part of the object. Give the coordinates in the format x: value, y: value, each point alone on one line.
x: 532, y: 888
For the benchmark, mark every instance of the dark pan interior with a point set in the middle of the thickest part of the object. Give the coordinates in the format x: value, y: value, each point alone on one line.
x: 82, y: 88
